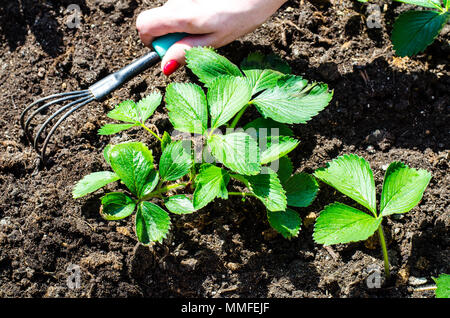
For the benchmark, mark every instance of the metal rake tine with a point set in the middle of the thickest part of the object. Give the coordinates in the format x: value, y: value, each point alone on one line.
x: 45, y: 124
x: 52, y: 131
x: 26, y: 110
x: 45, y: 106
x: 97, y: 91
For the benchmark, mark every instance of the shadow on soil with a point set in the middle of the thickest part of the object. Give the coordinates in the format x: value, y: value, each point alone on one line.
x: 18, y: 17
x: 425, y: 260
x: 376, y: 102
x: 220, y: 262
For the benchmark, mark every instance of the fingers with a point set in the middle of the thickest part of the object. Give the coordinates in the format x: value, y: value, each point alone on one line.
x: 163, y: 20
x: 168, y: 19
x: 155, y: 22
x: 175, y: 56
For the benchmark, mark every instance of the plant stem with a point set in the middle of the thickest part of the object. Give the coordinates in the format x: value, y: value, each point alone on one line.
x: 239, y: 115
x: 152, y: 132
x: 442, y: 9
x: 169, y: 187
x: 437, y: 6
x: 173, y: 186
x: 160, y: 183
x: 425, y: 288
x: 192, y: 174
x: 387, y: 273
x: 243, y: 194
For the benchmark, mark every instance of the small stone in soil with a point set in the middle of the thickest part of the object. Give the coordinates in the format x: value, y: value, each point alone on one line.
x: 5, y: 222
x: 417, y: 281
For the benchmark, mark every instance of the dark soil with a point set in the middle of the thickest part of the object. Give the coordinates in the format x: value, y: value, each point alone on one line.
x: 384, y: 108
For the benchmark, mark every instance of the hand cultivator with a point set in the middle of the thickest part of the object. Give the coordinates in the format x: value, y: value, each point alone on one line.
x: 70, y: 102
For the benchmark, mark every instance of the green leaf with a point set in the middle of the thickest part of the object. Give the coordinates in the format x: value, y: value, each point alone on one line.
x: 340, y: 223
x: 295, y: 84
x: 116, y: 206
x: 260, y: 80
x: 175, y: 161
x: 106, y: 152
x: 152, y: 223
x: 283, y: 105
x: 226, y: 97
x: 166, y: 140
x: 423, y: 3
x: 443, y: 286
x: 268, y: 127
x: 287, y: 223
x: 211, y: 182
x: 272, y: 138
x: 208, y: 65
x: 133, y: 163
x: 188, y: 111
x: 285, y: 169
x: 150, y: 183
x: 125, y: 111
x: 301, y: 190
x: 267, y: 188
x: 403, y: 188
x: 92, y: 182
x: 130, y: 112
x: 147, y: 106
x: 276, y: 147
x: 179, y: 204
x: 111, y: 129
x: 352, y: 176
x: 259, y: 61
x: 236, y: 151
x: 414, y: 30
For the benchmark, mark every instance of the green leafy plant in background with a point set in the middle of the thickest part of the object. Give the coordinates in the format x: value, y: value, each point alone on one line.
x: 351, y: 175
x: 442, y: 286
x: 247, y: 156
x: 414, y: 31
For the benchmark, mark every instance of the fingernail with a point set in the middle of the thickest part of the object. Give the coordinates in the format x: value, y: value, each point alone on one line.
x: 170, y: 67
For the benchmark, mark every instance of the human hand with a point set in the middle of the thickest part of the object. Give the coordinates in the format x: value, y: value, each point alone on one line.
x: 210, y: 22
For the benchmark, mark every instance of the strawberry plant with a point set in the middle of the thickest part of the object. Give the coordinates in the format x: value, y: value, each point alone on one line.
x: 351, y: 175
x: 415, y: 30
x: 442, y: 286
x: 255, y: 156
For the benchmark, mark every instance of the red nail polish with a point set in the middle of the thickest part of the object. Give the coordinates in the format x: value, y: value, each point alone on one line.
x: 170, y: 67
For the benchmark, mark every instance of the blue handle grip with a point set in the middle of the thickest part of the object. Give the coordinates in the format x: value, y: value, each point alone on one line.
x: 163, y: 43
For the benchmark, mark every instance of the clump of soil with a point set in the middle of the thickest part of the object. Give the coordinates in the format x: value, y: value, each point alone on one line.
x: 384, y: 108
